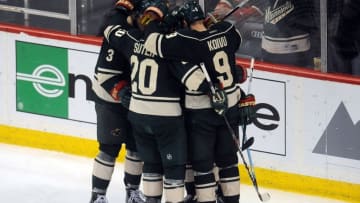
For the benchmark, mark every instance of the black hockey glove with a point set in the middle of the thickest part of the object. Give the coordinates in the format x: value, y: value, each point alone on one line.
x: 125, y: 96
x: 246, y: 109
x: 241, y: 74
x: 124, y: 5
x: 219, y: 101
x: 121, y: 92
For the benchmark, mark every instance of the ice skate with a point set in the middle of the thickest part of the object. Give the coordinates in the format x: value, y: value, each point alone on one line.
x: 100, y: 199
x: 153, y: 200
x: 219, y: 199
x: 134, y: 196
x: 190, y: 199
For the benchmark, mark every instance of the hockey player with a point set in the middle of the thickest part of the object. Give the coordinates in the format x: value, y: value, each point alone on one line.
x: 210, y: 141
x: 246, y: 114
x: 289, y: 29
x: 112, y: 73
x: 155, y: 109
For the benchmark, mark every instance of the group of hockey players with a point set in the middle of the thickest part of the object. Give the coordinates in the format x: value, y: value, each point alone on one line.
x: 168, y: 87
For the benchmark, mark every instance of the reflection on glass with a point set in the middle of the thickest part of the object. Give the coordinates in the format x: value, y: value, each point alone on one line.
x: 276, y: 31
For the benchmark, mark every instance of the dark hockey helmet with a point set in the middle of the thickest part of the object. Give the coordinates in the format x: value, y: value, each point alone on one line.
x: 141, y: 5
x: 156, y: 5
x: 192, y: 12
x: 160, y: 7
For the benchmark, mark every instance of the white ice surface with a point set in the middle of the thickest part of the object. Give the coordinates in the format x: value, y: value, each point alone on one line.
x: 29, y: 175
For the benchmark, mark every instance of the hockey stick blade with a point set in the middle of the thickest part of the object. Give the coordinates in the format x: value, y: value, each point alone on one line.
x: 264, y: 197
x: 248, y: 143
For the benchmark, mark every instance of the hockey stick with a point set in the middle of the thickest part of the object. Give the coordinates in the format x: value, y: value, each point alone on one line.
x: 265, y: 196
x: 262, y: 196
x: 249, y: 142
x: 241, y: 4
x: 245, y: 145
x: 252, y: 61
x: 245, y: 140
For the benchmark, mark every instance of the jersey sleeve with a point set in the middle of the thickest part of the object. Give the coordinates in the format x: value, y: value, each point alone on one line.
x: 113, y: 65
x: 189, y: 46
x: 111, y: 68
x: 191, y: 76
x: 120, y: 38
x: 168, y: 46
x: 232, y: 33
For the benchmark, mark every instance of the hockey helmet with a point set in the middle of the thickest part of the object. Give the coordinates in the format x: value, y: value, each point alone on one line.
x: 192, y: 12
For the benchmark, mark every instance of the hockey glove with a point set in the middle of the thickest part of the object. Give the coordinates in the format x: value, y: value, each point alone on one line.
x: 124, y: 5
x: 246, y: 109
x: 219, y: 101
x: 222, y: 8
x: 125, y: 96
x: 241, y: 74
x: 114, y: 92
x: 211, y: 19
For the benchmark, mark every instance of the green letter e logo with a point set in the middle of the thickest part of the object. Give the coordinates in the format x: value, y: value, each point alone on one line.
x: 42, y: 79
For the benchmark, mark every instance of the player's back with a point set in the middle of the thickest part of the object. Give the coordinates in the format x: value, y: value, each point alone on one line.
x: 155, y: 91
x: 111, y: 66
x: 215, y: 47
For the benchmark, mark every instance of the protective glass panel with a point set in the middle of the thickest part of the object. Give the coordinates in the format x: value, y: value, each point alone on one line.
x: 343, y: 37
x: 274, y: 31
x: 289, y: 31
x: 284, y: 32
x: 89, y: 14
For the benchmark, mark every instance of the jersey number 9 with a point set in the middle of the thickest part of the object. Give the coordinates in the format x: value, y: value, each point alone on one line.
x: 222, y: 66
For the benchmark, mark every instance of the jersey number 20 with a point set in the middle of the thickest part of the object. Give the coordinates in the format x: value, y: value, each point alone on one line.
x: 141, y: 68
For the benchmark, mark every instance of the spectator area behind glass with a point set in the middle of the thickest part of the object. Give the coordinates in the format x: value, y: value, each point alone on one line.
x: 276, y: 31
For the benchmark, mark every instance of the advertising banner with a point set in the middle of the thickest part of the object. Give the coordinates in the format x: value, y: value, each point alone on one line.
x: 304, y: 126
x: 48, y: 80
x: 269, y: 125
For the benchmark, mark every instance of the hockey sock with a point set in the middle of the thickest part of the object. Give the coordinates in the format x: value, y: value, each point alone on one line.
x: 205, y: 186
x: 189, y: 181
x: 174, y: 190
x: 102, y: 171
x: 133, y: 170
x: 153, y: 185
x: 230, y: 183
